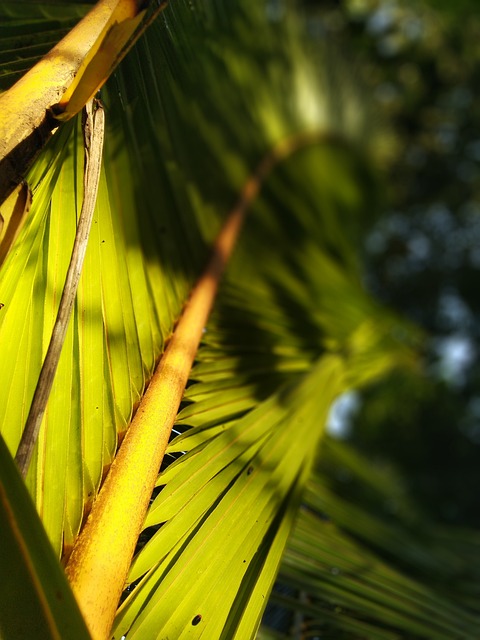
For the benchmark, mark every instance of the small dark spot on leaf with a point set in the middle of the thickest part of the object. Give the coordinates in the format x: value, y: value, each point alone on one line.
x: 196, y: 620
x: 1, y: 305
x: 249, y: 470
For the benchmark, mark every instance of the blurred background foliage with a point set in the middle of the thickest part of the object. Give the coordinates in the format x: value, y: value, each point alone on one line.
x: 419, y: 61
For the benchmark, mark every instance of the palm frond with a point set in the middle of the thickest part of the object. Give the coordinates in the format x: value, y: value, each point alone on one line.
x: 374, y: 574
x: 138, y: 266
x: 255, y: 415
x: 203, y: 96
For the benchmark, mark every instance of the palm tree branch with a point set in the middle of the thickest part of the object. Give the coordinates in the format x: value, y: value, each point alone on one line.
x: 123, y: 499
x: 60, y: 84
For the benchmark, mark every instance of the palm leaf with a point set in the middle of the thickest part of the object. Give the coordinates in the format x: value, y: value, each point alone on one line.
x: 32, y: 575
x: 105, y: 362
x: 368, y: 574
x: 126, y: 311
x: 241, y: 450
x: 189, y: 112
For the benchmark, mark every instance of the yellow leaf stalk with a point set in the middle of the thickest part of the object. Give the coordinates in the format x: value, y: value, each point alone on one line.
x: 60, y: 85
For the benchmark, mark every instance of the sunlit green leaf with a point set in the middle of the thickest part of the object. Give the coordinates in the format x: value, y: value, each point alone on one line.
x: 36, y: 599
